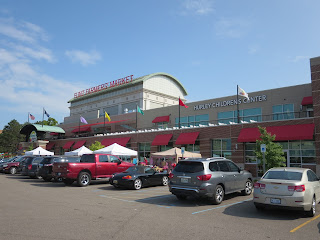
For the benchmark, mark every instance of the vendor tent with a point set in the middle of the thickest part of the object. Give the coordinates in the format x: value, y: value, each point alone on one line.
x: 39, y: 151
x: 79, y: 152
x: 175, y: 153
x: 118, y: 150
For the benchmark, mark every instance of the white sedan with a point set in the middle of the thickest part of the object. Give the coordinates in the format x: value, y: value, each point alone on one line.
x: 293, y: 188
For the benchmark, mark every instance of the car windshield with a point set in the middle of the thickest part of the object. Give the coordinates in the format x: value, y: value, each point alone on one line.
x: 283, y: 175
x: 135, y: 169
x: 189, y: 167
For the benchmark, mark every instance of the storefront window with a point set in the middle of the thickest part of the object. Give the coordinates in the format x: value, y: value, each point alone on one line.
x: 285, y: 111
x: 144, y: 151
x: 166, y: 147
x: 193, y: 147
x: 250, y: 156
x: 221, y: 148
x: 246, y: 115
x: 195, y: 120
x: 162, y: 125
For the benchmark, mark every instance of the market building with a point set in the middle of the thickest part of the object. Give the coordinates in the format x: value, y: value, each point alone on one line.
x: 211, y: 127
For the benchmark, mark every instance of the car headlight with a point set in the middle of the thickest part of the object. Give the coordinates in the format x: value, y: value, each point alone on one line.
x: 5, y: 165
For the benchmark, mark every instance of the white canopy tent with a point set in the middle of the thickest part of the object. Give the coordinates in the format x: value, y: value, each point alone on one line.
x: 79, y: 152
x: 118, y: 150
x: 39, y: 151
x: 175, y: 153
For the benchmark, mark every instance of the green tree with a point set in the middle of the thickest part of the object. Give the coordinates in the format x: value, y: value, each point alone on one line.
x: 274, y: 154
x: 49, y: 122
x: 96, y: 146
x: 11, y: 137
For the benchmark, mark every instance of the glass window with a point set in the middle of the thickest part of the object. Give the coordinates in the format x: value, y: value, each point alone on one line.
x: 114, y: 159
x: 144, y: 151
x: 312, y: 177
x: 213, y: 166
x: 103, y: 158
x: 189, y: 167
x: 233, y: 167
x: 285, y: 111
x: 88, y: 158
x: 221, y: 148
x: 195, y: 120
x: 223, y: 166
x: 284, y: 175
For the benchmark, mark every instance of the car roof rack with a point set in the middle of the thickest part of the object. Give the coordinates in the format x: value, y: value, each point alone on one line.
x: 215, y: 158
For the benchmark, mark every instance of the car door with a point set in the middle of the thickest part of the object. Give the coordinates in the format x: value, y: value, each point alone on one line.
x: 102, y: 166
x: 238, y: 176
x: 314, y: 184
x: 227, y: 176
x: 151, y: 176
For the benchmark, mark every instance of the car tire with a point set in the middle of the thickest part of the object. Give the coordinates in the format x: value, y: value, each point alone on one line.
x: 68, y: 182
x: 84, y: 179
x: 312, y: 211
x: 137, y: 184
x: 181, y: 197
x: 165, y: 181
x: 218, y: 195
x: 248, y: 188
x: 13, y: 170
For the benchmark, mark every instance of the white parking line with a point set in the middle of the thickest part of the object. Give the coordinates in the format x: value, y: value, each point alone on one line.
x: 223, y: 206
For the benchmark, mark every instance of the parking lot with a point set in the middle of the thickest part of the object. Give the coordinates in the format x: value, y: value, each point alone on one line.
x: 34, y: 209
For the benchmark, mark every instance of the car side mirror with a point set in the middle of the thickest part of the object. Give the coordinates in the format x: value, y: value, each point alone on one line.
x: 240, y: 169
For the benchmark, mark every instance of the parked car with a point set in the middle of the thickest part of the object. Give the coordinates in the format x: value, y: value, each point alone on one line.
x: 45, y: 167
x: 90, y: 167
x: 137, y: 177
x: 33, y: 170
x: 6, y: 161
x: 25, y: 165
x: 12, y: 167
x: 291, y: 188
x: 210, y: 178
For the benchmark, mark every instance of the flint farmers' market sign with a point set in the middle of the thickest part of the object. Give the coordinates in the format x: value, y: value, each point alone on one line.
x: 231, y: 102
x: 98, y: 88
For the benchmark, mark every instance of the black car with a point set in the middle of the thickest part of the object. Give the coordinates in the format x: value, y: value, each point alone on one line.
x: 33, y: 171
x: 45, y: 167
x: 137, y: 177
x: 26, y: 165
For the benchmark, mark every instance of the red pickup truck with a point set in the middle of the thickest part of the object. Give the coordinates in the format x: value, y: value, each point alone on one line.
x: 90, y: 167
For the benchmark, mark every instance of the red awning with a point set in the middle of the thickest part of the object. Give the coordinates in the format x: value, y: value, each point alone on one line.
x: 50, y: 145
x: 68, y: 145
x: 79, y: 144
x: 307, y: 101
x: 161, y: 119
x: 162, y: 139
x: 121, y: 141
x: 283, y: 133
x: 82, y: 129
x: 187, y: 138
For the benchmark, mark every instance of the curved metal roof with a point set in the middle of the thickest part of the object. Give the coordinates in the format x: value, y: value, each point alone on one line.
x: 40, y: 128
x: 135, y: 81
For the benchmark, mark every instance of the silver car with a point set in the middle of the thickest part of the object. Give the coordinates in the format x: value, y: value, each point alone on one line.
x: 210, y: 178
x: 293, y: 188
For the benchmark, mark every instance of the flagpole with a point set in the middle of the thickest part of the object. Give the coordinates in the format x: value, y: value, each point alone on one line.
x: 104, y: 121
x: 179, y: 113
x: 42, y: 116
x: 137, y: 117
x: 238, y: 104
x: 28, y: 116
x: 79, y: 127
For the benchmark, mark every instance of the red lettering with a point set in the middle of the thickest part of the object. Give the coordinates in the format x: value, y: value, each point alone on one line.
x: 131, y: 77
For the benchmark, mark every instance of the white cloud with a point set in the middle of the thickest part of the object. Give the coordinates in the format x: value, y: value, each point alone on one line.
x: 199, y: 7
x: 231, y: 28
x: 84, y: 58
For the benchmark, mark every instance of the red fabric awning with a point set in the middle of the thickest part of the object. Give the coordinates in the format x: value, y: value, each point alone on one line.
x: 68, y: 145
x: 283, y: 133
x: 307, y: 101
x: 161, y: 140
x: 79, y: 144
x: 82, y: 129
x: 187, y: 138
x: 161, y: 119
x: 121, y: 141
x: 50, y: 145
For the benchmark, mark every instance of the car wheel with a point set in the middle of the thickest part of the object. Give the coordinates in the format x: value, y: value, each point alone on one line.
x: 165, y: 181
x: 137, y: 184
x: 312, y: 211
x: 248, y: 188
x: 218, y: 195
x: 181, y: 197
x: 68, y: 182
x: 84, y: 179
x: 13, y: 170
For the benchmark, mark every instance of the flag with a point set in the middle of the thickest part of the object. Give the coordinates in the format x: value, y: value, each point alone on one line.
x: 45, y: 112
x: 139, y: 110
x: 31, y: 116
x: 83, y: 120
x: 182, y: 104
x: 107, y: 116
x: 242, y: 93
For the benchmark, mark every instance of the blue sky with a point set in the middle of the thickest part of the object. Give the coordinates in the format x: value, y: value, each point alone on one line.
x: 51, y: 49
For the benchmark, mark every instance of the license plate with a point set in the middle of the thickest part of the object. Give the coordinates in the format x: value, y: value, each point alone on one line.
x: 115, y: 181
x: 275, y: 200
x: 184, y: 180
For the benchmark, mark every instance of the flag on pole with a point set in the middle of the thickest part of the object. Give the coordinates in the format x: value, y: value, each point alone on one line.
x: 31, y: 116
x: 182, y: 104
x: 83, y: 120
x: 139, y: 110
x: 45, y: 112
x: 242, y: 93
x: 107, y: 116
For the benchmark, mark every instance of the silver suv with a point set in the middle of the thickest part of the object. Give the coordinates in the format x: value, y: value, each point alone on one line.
x: 211, y: 178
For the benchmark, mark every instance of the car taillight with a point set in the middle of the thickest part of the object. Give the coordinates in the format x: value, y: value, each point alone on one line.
x: 171, y: 175
x: 259, y: 185
x: 29, y: 166
x: 300, y: 188
x: 204, y: 177
x: 127, y: 177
